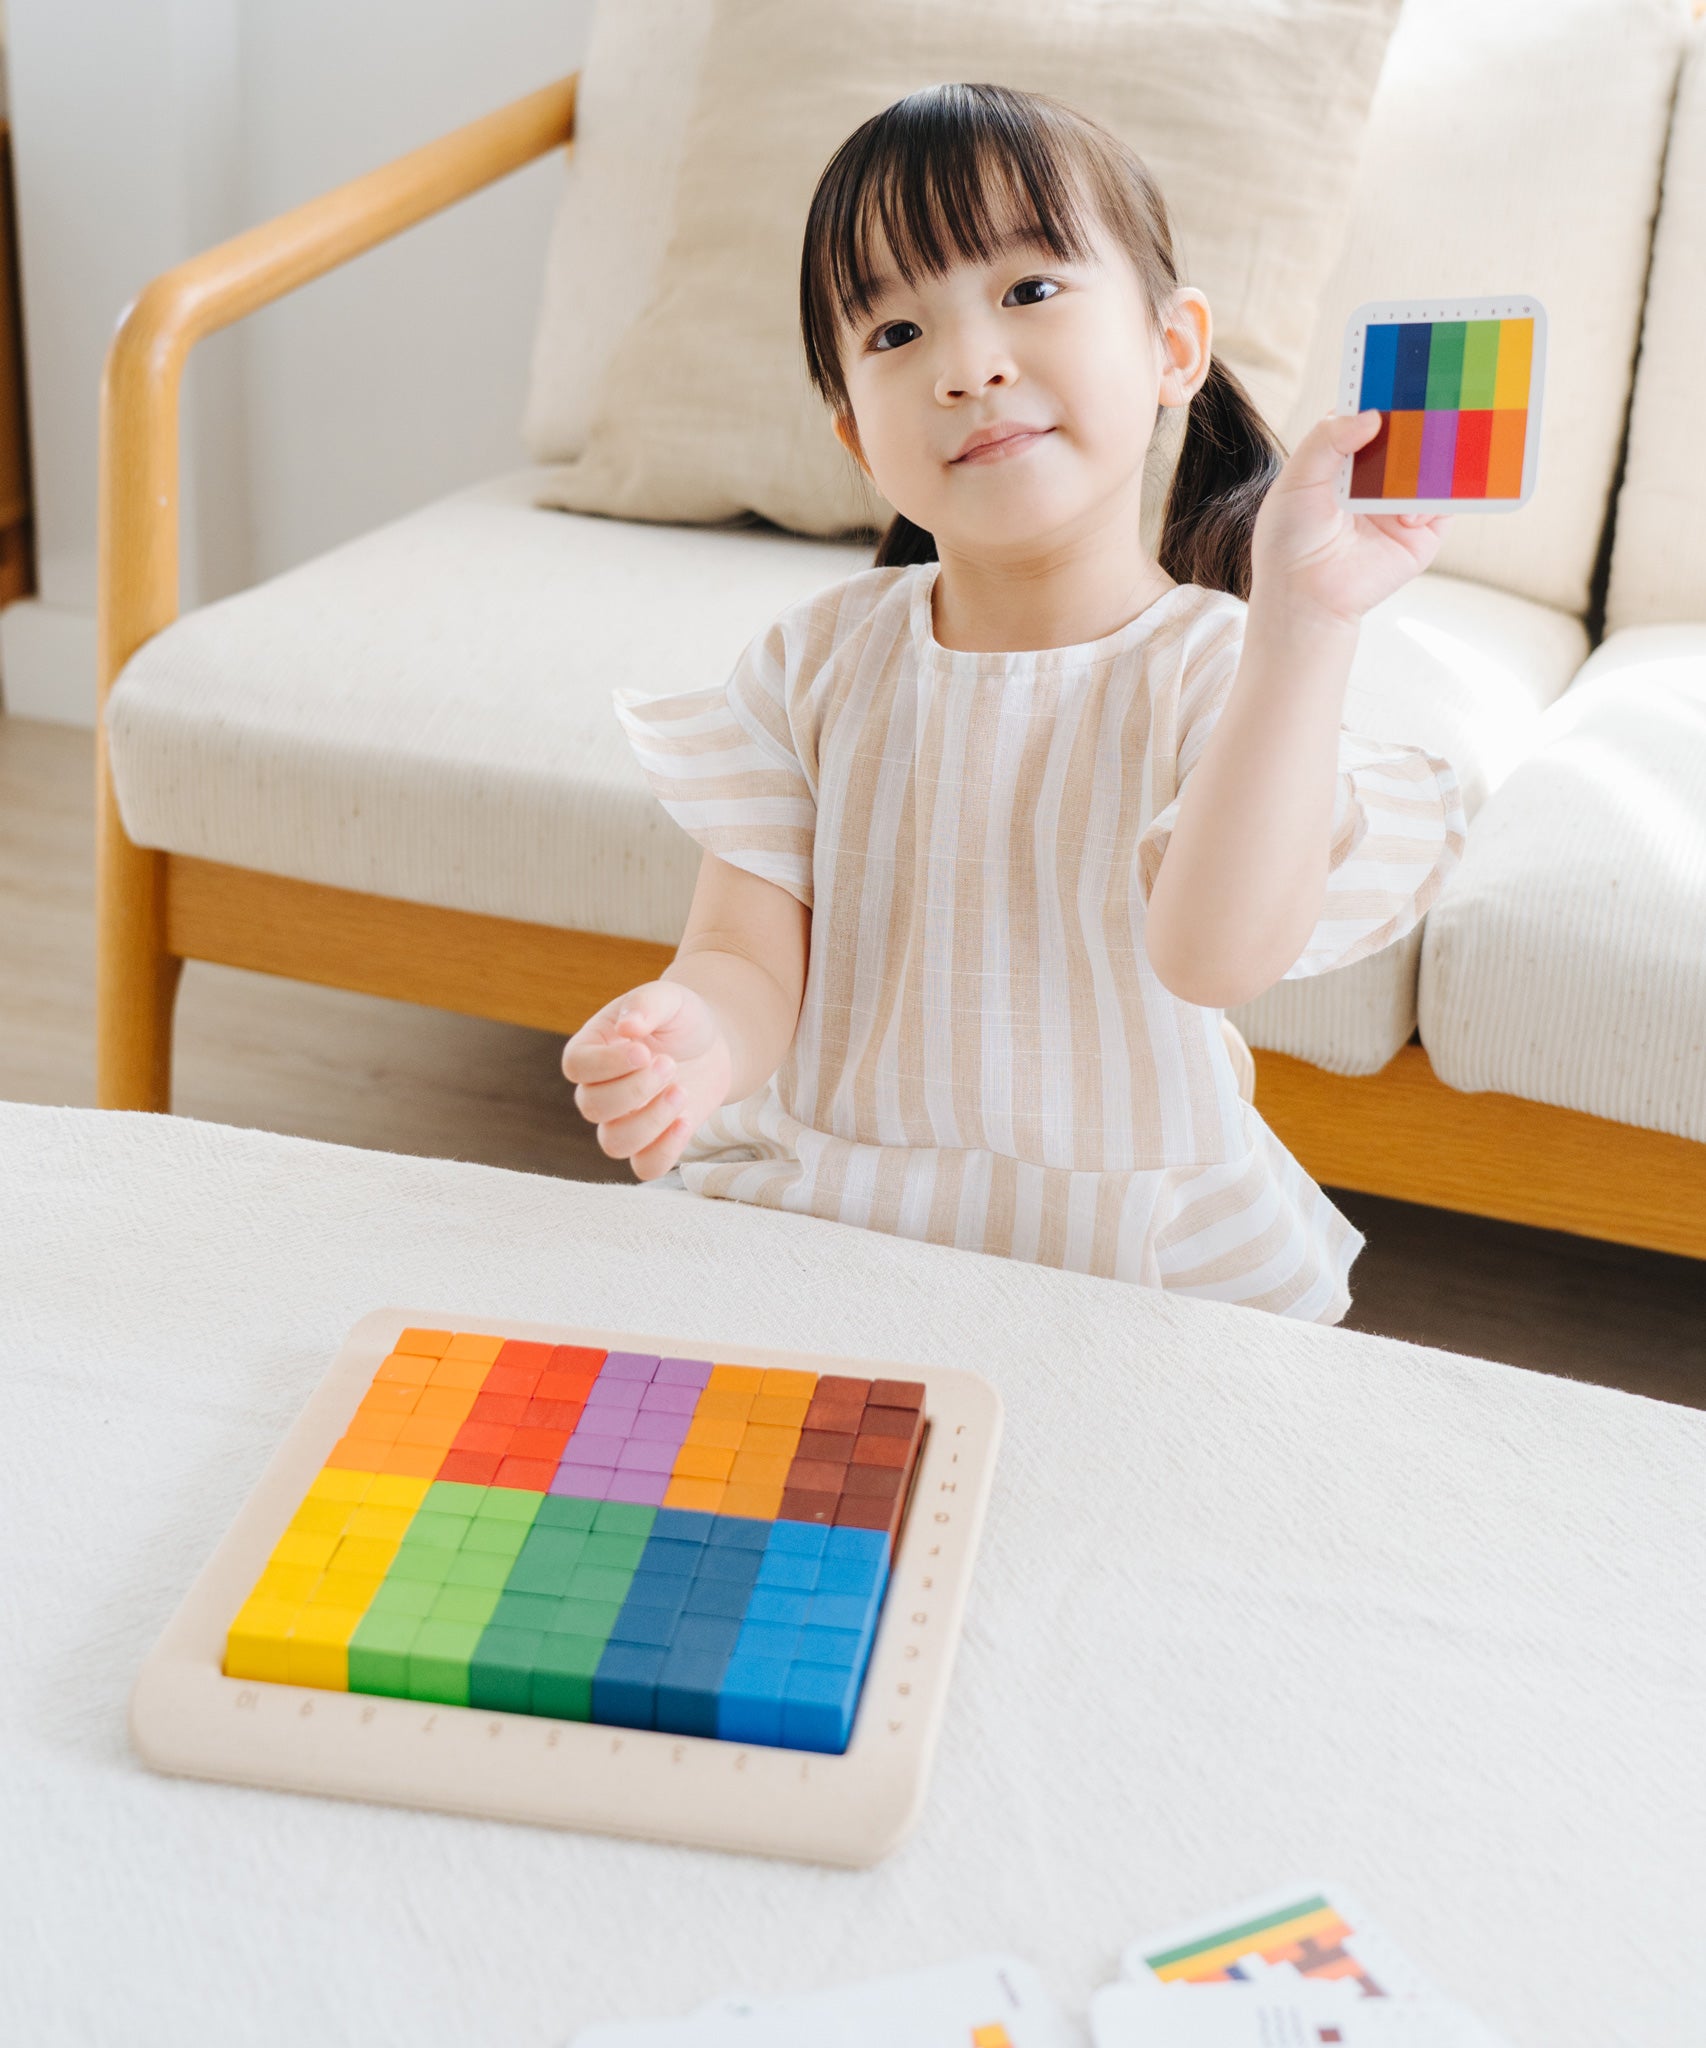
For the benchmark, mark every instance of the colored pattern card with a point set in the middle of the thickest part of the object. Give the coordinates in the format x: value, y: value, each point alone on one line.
x: 1457, y: 383
x: 1317, y: 1933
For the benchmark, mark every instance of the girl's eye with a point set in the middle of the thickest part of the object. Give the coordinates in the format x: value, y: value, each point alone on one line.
x: 1025, y: 284
x: 877, y: 340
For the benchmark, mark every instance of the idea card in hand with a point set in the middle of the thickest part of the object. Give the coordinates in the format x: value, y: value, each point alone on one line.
x: 988, y: 2002
x: 1457, y: 384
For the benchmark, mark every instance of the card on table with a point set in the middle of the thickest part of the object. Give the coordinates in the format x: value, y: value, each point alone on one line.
x: 1458, y: 385
x: 985, y: 2002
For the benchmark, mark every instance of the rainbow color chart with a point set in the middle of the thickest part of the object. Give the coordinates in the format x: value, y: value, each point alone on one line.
x: 593, y: 1535
x: 1310, y: 1934
x: 1457, y: 384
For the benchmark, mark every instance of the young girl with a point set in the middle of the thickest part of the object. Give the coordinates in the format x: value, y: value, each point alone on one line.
x: 996, y: 829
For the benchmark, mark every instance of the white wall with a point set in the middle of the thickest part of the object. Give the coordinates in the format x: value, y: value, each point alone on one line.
x: 144, y: 130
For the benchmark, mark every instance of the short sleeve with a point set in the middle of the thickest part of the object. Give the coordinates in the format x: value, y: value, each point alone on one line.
x: 1397, y: 831
x: 726, y: 765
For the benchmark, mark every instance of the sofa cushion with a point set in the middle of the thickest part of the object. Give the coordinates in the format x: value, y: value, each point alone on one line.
x: 1517, y: 148
x: 1566, y: 958
x: 1464, y: 671
x: 705, y: 408
x: 1658, y: 562
x: 425, y: 712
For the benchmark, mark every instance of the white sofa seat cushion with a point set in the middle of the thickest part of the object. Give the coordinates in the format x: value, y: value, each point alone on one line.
x: 426, y: 712
x: 1566, y: 958
x: 1466, y: 672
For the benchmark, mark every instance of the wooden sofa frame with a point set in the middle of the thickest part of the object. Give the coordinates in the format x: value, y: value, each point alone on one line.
x: 1400, y: 1132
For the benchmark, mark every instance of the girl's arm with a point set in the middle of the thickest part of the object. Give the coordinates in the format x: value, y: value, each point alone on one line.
x: 1244, y: 875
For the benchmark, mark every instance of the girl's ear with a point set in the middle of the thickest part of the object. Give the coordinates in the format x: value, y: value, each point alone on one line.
x: 847, y: 433
x: 1185, y: 343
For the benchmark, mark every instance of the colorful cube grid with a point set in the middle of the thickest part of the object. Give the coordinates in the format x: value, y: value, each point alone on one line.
x: 599, y: 1536
x: 1455, y: 398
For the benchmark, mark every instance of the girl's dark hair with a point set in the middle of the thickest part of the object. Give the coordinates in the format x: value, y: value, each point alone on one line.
x: 945, y: 173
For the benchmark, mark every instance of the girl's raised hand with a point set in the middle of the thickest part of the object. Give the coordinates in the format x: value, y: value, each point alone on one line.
x: 648, y: 1069
x: 1310, y: 550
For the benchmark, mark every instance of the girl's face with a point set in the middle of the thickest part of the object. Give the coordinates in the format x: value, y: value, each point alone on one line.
x: 1060, y: 358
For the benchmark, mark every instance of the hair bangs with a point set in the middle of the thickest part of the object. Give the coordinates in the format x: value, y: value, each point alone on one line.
x: 950, y: 174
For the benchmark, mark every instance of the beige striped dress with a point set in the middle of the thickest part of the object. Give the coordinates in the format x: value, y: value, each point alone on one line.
x: 984, y: 1055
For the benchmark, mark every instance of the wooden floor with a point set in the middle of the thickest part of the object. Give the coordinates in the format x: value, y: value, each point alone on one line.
x: 320, y: 1063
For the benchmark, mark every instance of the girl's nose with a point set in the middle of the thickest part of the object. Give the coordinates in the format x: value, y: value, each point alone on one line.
x: 958, y: 382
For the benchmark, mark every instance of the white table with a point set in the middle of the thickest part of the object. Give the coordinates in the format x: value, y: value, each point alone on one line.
x: 1258, y: 1603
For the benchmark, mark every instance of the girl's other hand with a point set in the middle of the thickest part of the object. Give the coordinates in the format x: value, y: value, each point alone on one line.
x: 1310, y: 552
x: 648, y: 1069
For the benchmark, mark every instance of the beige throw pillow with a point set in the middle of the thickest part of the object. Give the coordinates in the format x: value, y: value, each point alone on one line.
x: 1250, y: 113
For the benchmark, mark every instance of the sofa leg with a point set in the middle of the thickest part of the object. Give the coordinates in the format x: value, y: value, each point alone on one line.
x: 136, y: 978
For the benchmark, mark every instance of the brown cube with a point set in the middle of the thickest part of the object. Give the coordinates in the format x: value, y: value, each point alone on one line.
x: 801, y: 1506
x: 834, y: 1444
x: 901, y: 1422
x: 815, y: 1475
x: 835, y: 1386
x: 896, y: 1394
x: 854, y: 1513
x: 872, y: 1482
x: 893, y: 1451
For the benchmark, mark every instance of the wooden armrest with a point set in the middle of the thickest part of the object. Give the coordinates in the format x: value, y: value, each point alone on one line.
x: 138, y: 548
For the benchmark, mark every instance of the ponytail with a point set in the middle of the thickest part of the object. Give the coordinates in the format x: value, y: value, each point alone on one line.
x: 904, y: 545
x: 1227, y: 463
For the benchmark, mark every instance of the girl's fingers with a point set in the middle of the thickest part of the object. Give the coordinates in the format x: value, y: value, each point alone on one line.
x: 659, y: 1156
x: 626, y: 1136
x: 588, y: 1060
x: 601, y: 1101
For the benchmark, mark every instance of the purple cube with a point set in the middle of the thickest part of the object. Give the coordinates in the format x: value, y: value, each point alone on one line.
x: 682, y: 1372
x: 626, y: 1365
x: 583, y: 1482
x: 665, y: 1400
x: 587, y: 1447
x: 644, y: 1457
x: 658, y: 1429
x: 645, y: 1489
x: 621, y: 1397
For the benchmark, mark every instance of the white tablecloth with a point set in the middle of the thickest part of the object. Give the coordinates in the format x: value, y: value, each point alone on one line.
x: 1257, y: 1603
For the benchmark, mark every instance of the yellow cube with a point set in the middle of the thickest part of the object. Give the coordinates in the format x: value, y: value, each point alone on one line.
x: 333, y: 1482
x: 735, y: 1379
x: 393, y: 1490
x: 296, y: 1548
x: 369, y: 1555
x: 292, y: 1582
x: 322, y: 1517
x: 387, y: 1524
x: 257, y: 1645
x: 317, y: 1652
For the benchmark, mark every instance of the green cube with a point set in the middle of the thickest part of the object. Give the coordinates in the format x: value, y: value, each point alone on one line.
x: 566, y: 1511
x: 608, y: 1546
x: 421, y: 1563
x: 379, y: 1653
x: 598, y: 1582
x: 593, y: 1619
x: 562, y: 1677
x: 624, y: 1518
x: 453, y: 1497
x: 494, y: 1538
x: 501, y: 1674
x: 404, y: 1597
x: 510, y: 1504
x: 526, y: 1610
x: 436, y: 1531
x: 439, y: 1660
x: 478, y: 1568
x: 464, y: 1603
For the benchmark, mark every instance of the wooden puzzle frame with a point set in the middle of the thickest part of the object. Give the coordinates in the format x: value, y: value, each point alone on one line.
x: 187, y: 1717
